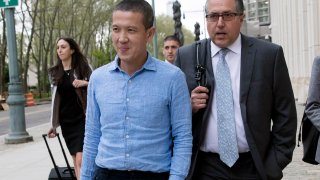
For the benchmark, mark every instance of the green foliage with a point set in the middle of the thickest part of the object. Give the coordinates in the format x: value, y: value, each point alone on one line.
x: 165, y: 27
x: 6, y: 73
x: 188, y: 36
x: 101, y: 58
x: 38, y: 96
x: 83, y: 20
x: 87, y: 21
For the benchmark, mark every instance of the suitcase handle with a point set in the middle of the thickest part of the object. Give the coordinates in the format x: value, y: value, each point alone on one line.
x: 64, y: 155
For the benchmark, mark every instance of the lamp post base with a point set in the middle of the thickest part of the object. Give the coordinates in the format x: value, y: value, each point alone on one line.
x: 17, y: 139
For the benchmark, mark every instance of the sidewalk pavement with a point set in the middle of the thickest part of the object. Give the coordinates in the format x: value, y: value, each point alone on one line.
x: 31, y: 160
x: 297, y: 169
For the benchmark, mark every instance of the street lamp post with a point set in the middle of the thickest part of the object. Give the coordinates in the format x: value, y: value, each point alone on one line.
x: 18, y: 133
x: 155, y: 38
x: 177, y: 21
x: 204, y: 19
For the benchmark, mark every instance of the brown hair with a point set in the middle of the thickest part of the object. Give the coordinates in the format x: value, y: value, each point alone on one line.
x: 79, y: 63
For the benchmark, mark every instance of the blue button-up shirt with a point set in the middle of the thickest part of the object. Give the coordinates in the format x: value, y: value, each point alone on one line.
x: 139, y: 122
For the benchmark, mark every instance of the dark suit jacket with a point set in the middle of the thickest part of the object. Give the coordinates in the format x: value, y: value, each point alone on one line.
x: 312, y: 108
x: 266, y: 101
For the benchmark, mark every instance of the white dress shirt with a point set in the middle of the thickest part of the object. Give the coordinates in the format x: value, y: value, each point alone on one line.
x: 233, y: 59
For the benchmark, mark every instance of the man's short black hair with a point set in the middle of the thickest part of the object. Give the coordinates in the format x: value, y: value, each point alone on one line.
x: 172, y: 38
x: 140, y: 6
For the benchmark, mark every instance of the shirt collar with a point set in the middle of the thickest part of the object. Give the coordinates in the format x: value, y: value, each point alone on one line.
x: 235, y: 47
x: 167, y: 61
x: 148, y: 65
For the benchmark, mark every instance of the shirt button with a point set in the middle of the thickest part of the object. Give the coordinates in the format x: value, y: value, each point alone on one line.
x: 127, y: 136
x: 127, y: 99
x: 127, y: 155
x: 127, y: 118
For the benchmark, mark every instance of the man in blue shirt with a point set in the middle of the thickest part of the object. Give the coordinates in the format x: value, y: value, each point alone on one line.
x: 138, y: 123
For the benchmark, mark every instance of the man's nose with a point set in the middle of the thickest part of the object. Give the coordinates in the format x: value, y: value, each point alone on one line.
x: 220, y: 21
x: 123, y: 37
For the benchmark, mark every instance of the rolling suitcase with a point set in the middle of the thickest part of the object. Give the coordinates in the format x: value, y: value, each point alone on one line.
x: 59, y: 173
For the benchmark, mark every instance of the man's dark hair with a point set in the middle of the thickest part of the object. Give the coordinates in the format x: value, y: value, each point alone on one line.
x: 140, y: 6
x: 239, y: 6
x: 172, y: 38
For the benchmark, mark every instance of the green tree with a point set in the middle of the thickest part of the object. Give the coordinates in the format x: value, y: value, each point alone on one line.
x: 3, y: 55
x: 165, y: 27
x: 87, y: 21
x: 82, y: 20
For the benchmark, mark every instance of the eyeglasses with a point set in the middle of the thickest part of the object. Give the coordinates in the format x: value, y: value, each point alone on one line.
x: 214, y: 17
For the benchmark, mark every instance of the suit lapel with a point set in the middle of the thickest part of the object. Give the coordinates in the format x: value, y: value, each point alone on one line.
x: 248, y: 53
x: 210, y: 86
x: 247, y: 63
x: 210, y: 76
x: 209, y: 60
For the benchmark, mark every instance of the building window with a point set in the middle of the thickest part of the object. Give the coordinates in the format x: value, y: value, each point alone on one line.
x: 251, y: 7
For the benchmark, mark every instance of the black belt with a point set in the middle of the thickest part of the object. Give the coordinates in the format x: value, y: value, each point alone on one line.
x: 133, y: 173
x: 241, y: 155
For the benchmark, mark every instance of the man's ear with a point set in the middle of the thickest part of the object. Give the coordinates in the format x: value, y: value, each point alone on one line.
x: 150, y: 33
x: 242, y: 17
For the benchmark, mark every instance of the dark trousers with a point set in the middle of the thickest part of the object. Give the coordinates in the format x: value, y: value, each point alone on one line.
x: 210, y: 167
x: 107, y: 174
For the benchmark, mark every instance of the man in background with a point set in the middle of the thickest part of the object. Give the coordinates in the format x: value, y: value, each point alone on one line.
x: 170, y: 45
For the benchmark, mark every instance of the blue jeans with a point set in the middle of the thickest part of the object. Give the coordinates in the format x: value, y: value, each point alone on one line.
x: 107, y: 174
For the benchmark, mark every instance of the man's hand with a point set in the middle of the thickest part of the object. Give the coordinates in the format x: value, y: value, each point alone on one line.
x: 199, y: 97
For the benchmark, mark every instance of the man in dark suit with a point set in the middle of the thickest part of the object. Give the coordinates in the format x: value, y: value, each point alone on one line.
x: 263, y: 105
